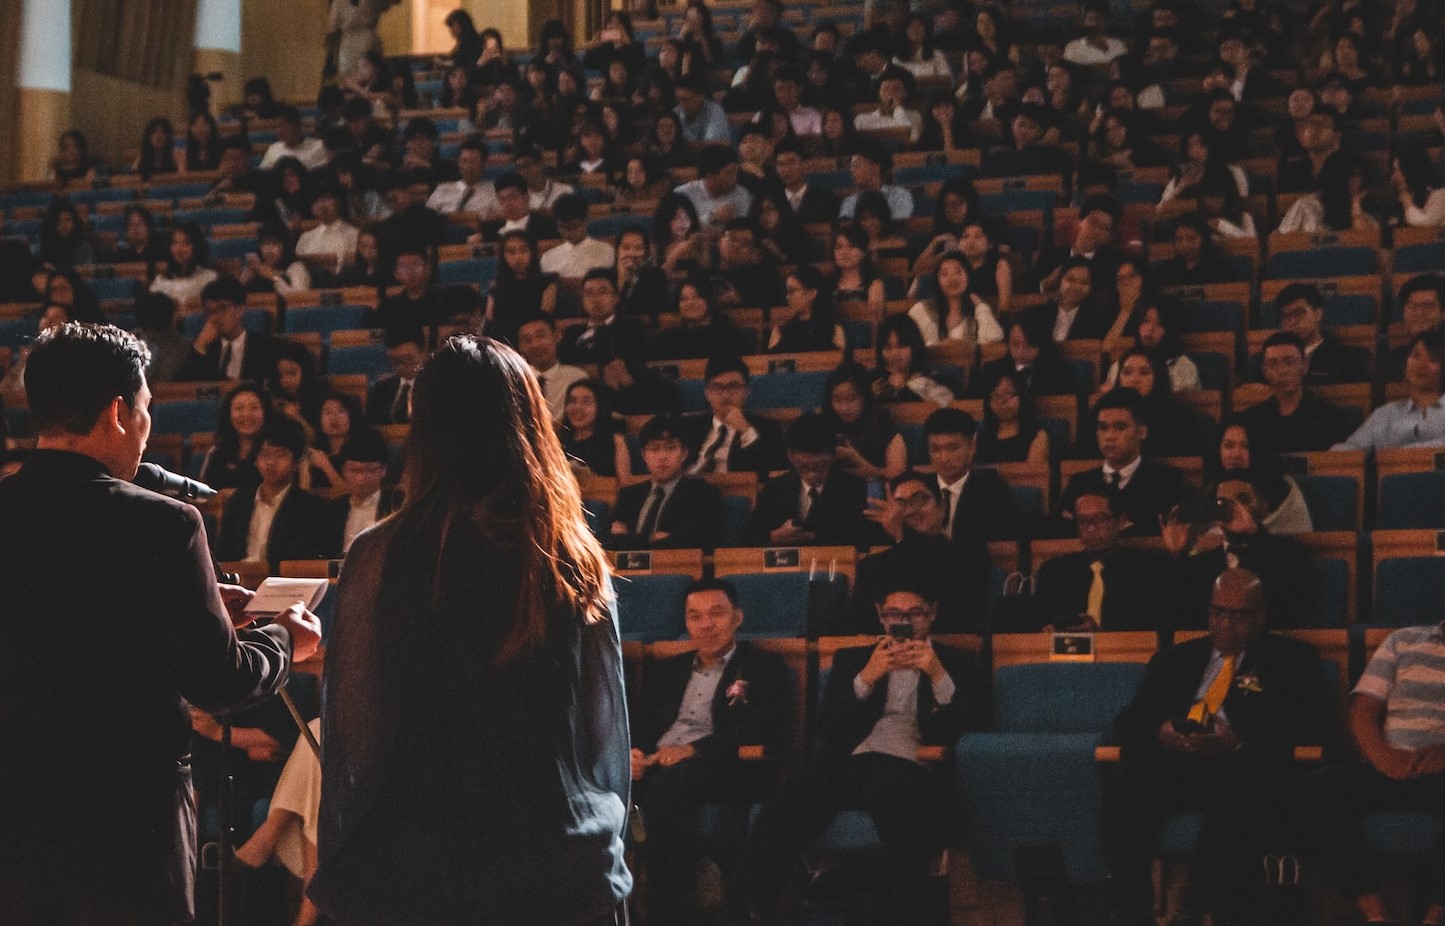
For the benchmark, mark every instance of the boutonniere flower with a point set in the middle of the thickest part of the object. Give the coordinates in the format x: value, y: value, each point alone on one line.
x: 737, y: 692
x: 1248, y: 683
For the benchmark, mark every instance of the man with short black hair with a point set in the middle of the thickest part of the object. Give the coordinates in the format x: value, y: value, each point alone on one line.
x: 814, y: 502
x: 331, y: 243
x: 1422, y: 308
x: 514, y: 213
x: 537, y: 343
x: 278, y: 521
x: 1093, y: 242
x: 977, y: 504
x: 98, y: 820
x: 1301, y: 308
x: 787, y: 96
x: 716, y: 194
x: 1298, y: 419
x: 224, y: 349
x: 670, y: 509
x: 469, y: 193
x: 895, y: 88
x: 388, y: 401
x: 542, y: 191
x: 291, y: 142
x: 871, y: 167
x: 421, y: 138
x: 419, y: 303
x: 365, y: 460
x: 579, y: 252
x: 810, y: 203
x: 726, y: 439
x: 607, y: 336
x: 1319, y: 134
x: 703, y: 121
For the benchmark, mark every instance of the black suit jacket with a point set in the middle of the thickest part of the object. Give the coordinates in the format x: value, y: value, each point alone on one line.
x: 836, y: 518
x: 844, y: 721
x: 1333, y: 362
x: 539, y: 228
x: 112, y: 623
x: 1290, y: 708
x: 339, y: 509
x: 959, y: 569
x: 762, y: 456
x: 646, y: 295
x: 1315, y: 425
x: 1103, y: 267
x: 985, y: 509
x: 379, y: 400
x: 689, y: 518
x: 624, y: 338
x: 1138, y: 587
x: 1154, y: 489
x: 817, y: 205
x: 761, y: 717
x: 1091, y: 322
x: 256, y: 363
x: 302, y: 528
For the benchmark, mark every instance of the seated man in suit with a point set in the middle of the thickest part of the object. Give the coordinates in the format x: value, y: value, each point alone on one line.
x: 1301, y: 313
x: 364, y: 463
x: 607, y: 336
x: 726, y: 439
x: 977, y: 503
x: 1074, y: 313
x: 1422, y: 307
x: 881, y: 704
x: 388, y: 401
x: 514, y: 213
x: 279, y: 520
x: 1093, y: 243
x: 1148, y: 490
x: 670, y: 509
x: 695, y: 711
x: 815, y: 502
x: 810, y: 203
x: 1212, y: 727
x: 224, y: 349
x: 420, y: 302
x: 537, y: 342
x: 1298, y: 419
x: 1396, y: 719
x: 1103, y: 586
x: 1230, y: 532
x: 911, y: 515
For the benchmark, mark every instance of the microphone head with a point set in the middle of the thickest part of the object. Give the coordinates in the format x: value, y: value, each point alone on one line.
x: 157, y: 479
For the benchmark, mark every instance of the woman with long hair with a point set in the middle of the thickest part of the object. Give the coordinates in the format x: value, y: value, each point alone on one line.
x: 63, y: 240
x: 1010, y: 431
x: 231, y: 461
x: 1174, y: 428
x: 1157, y: 325
x: 342, y: 418
x: 296, y: 389
x: 138, y: 240
x: 990, y: 274
x: 1034, y: 355
x: 591, y: 436
x: 701, y: 331
x: 1197, y: 260
x: 868, y: 443
x: 157, y: 149
x: 955, y: 312
x: 186, y: 270
x: 812, y: 322
x: 899, y: 366
x: 1338, y: 205
x: 916, y: 52
x: 666, y: 145
x: 274, y: 267
x: 855, y: 277
x: 1241, y: 447
x: 677, y: 238
x: 778, y: 230
x: 475, y: 642
x: 957, y: 205
x: 203, y: 142
x: 840, y: 136
x: 1412, y: 180
x: 519, y: 288
x: 74, y: 162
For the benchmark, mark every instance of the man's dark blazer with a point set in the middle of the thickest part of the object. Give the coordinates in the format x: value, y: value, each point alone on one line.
x: 959, y: 569
x: 1291, y: 708
x: 340, y: 509
x: 1138, y: 590
x: 1333, y: 362
x: 1103, y: 267
x: 836, y: 518
x: 985, y: 509
x: 257, y: 363
x: 762, y: 456
x: 112, y: 624
x: 817, y: 205
x: 302, y: 528
x: 1154, y: 489
x: 844, y: 721
x: 690, y: 518
x: 624, y: 337
x: 1050, y: 375
x: 539, y: 228
x: 1316, y: 425
x: 761, y: 717
x: 646, y: 295
x: 1091, y: 322
x: 379, y: 399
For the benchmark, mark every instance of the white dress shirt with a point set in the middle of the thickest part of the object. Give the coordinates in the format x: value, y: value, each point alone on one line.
x: 460, y: 196
x: 263, y: 515
x: 311, y: 153
x: 359, y: 517
x: 337, y: 239
x: 574, y: 260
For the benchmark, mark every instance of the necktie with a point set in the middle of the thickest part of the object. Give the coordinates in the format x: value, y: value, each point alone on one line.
x: 813, y: 493
x: 225, y: 360
x: 649, y: 517
x: 1214, y: 697
x: 467, y: 197
x: 950, y: 499
x: 707, y: 463
x: 401, y: 405
x: 1094, y: 604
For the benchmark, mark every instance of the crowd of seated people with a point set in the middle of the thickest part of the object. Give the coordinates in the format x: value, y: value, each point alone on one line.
x: 995, y: 241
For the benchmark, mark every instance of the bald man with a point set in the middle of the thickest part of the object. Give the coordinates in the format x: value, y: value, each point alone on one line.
x: 1212, y: 728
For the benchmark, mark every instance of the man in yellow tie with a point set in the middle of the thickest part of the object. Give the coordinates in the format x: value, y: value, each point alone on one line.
x: 1213, y: 728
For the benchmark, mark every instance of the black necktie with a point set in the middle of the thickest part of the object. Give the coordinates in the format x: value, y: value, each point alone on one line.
x: 401, y: 405
x: 649, y: 518
x: 950, y: 502
x: 813, y: 493
x: 225, y: 360
x: 708, y: 461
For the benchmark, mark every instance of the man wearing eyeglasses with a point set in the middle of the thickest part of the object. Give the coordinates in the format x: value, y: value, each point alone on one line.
x: 727, y: 439
x: 1212, y: 727
x: 881, y: 704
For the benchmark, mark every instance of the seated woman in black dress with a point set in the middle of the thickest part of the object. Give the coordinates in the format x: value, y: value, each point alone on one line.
x: 868, y: 443
x: 1032, y: 354
x: 1010, y: 431
x: 1197, y: 260
x: 231, y: 461
x: 899, y: 368
x: 591, y: 437
x: 520, y: 288
x: 855, y: 277
x: 701, y: 331
x: 811, y: 324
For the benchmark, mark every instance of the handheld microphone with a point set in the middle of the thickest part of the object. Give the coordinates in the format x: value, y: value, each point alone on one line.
x: 173, y: 485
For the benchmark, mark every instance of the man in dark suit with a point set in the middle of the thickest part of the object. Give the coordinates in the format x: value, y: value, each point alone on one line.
x: 109, y: 599
x: 1295, y: 418
x: 607, y: 336
x: 977, y: 503
x: 695, y: 711
x: 515, y: 209
x: 669, y: 509
x: 388, y: 401
x: 1148, y: 490
x: 1103, y: 586
x: 813, y: 503
x: 912, y: 518
x: 1302, y: 313
x: 224, y: 349
x: 810, y: 203
x: 279, y: 520
x: 1422, y: 307
x: 364, y: 463
x: 880, y: 705
x: 1093, y: 242
x: 726, y: 439
x: 1075, y: 313
x: 1212, y: 727
x: 420, y: 302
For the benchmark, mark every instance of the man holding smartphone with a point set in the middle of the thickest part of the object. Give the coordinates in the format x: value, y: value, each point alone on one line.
x: 881, y: 704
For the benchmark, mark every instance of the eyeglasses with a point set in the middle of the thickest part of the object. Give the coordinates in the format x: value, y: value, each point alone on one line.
x: 725, y: 387
x: 895, y: 615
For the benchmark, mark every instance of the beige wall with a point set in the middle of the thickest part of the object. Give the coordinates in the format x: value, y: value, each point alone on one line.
x: 113, y: 112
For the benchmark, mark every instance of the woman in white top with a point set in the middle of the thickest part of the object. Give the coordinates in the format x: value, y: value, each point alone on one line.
x: 1412, y: 179
x: 954, y: 312
x: 1339, y: 204
x: 1200, y: 153
x: 921, y: 59
x: 184, y: 273
x: 1158, y: 328
x: 274, y: 267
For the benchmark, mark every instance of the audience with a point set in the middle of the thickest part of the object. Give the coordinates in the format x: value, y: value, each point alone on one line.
x: 277, y: 520
x: 672, y: 508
